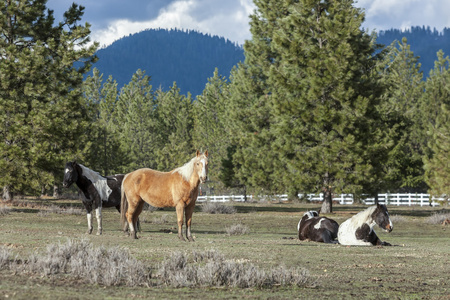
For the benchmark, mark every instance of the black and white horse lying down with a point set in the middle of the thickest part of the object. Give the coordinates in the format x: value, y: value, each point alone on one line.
x: 357, y: 230
x: 97, y: 191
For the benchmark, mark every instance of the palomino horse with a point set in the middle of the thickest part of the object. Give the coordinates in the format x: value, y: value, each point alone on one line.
x: 97, y: 191
x: 317, y: 229
x: 358, y: 230
x: 177, y: 188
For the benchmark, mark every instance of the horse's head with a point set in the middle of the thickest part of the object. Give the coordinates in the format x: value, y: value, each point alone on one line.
x: 311, y: 214
x: 70, y: 174
x: 201, y: 166
x: 381, y: 217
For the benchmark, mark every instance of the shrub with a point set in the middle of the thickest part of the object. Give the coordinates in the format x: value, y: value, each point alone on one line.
x: 217, y: 208
x: 437, y: 218
x: 4, y: 210
x: 54, y: 209
x: 237, y: 229
x: 398, y: 219
x: 212, y: 269
x: 112, y: 266
x: 5, y: 255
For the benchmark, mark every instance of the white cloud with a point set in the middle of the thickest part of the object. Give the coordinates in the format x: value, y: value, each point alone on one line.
x: 401, y: 14
x: 216, y: 19
x: 113, y: 19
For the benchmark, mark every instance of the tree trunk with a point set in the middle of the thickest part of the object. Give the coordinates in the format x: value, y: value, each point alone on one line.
x: 327, y: 205
x: 293, y: 195
x: 43, y: 191
x: 7, y: 194
x: 56, y: 191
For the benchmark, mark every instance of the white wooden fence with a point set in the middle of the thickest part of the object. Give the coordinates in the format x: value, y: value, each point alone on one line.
x: 388, y: 199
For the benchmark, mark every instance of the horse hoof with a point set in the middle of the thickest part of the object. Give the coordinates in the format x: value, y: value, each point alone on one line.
x: 182, y: 239
x: 89, y: 231
x: 191, y: 239
x: 99, y: 233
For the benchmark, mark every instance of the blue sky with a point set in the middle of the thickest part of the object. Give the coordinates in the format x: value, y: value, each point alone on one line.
x: 113, y: 19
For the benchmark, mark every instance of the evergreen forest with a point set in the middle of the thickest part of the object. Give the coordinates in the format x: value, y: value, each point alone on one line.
x: 167, y: 56
x: 189, y: 57
x: 314, y: 105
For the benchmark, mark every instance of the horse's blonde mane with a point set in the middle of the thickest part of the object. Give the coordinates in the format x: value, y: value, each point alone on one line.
x: 186, y: 170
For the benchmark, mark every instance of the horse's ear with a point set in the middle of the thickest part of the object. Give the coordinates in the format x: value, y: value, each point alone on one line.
x: 198, y: 153
x: 206, y: 153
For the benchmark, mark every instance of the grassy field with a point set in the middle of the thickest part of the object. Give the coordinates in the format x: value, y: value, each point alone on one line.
x: 416, y: 267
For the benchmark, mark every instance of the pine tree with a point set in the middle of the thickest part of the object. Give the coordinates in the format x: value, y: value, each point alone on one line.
x: 248, y: 111
x: 435, y: 108
x: 174, y: 117
x: 135, y: 117
x: 322, y: 131
x: 400, y: 110
x: 209, y: 123
x: 41, y: 111
x: 104, y: 154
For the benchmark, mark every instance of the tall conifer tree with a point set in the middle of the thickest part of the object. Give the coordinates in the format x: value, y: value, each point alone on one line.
x: 436, y: 109
x: 400, y: 109
x: 136, y: 118
x: 41, y: 110
x: 319, y: 96
x: 174, y: 116
x: 209, y: 129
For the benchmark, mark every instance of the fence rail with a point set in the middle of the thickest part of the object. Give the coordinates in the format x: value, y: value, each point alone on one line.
x: 345, y: 199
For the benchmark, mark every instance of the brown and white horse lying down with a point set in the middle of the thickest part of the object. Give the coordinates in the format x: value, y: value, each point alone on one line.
x: 317, y: 229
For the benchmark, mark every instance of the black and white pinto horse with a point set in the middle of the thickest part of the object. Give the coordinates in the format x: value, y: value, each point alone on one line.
x: 358, y: 230
x: 97, y: 191
x: 318, y: 229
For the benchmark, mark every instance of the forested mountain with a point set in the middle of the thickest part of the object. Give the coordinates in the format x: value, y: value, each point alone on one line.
x: 187, y: 57
x: 424, y: 42
x: 190, y: 57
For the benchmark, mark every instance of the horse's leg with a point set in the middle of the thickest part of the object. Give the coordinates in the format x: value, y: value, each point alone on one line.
x: 327, y: 237
x: 137, y: 212
x: 189, y: 211
x: 89, y: 219
x: 133, y: 203
x: 180, y: 213
x: 98, y: 215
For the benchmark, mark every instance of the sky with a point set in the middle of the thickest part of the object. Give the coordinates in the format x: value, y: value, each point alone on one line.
x: 112, y: 19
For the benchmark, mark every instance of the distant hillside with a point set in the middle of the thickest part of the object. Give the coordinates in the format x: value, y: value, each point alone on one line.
x: 187, y: 57
x: 424, y: 43
x: 190, y: 57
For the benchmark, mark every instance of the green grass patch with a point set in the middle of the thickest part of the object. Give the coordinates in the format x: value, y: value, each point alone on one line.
x: 416, y: 266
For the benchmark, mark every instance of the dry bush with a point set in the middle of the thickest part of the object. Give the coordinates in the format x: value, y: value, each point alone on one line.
x: 164, y: 219
x: 80, y: 259
x: 115, y: 266
x: 237, y: 229
x: 54, y: 209
x: 217, y: 208
x: 397, y: 219
x: 4, y: 210
x: 212, y: 269
x: 5, y: 255
x: 437, y: 218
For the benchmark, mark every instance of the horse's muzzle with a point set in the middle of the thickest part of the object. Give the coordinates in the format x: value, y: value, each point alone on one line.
x: 203, y: 179
x: 388, y: 228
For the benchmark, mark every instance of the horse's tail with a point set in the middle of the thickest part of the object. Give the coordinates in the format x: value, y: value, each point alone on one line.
x: 123, y: 205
